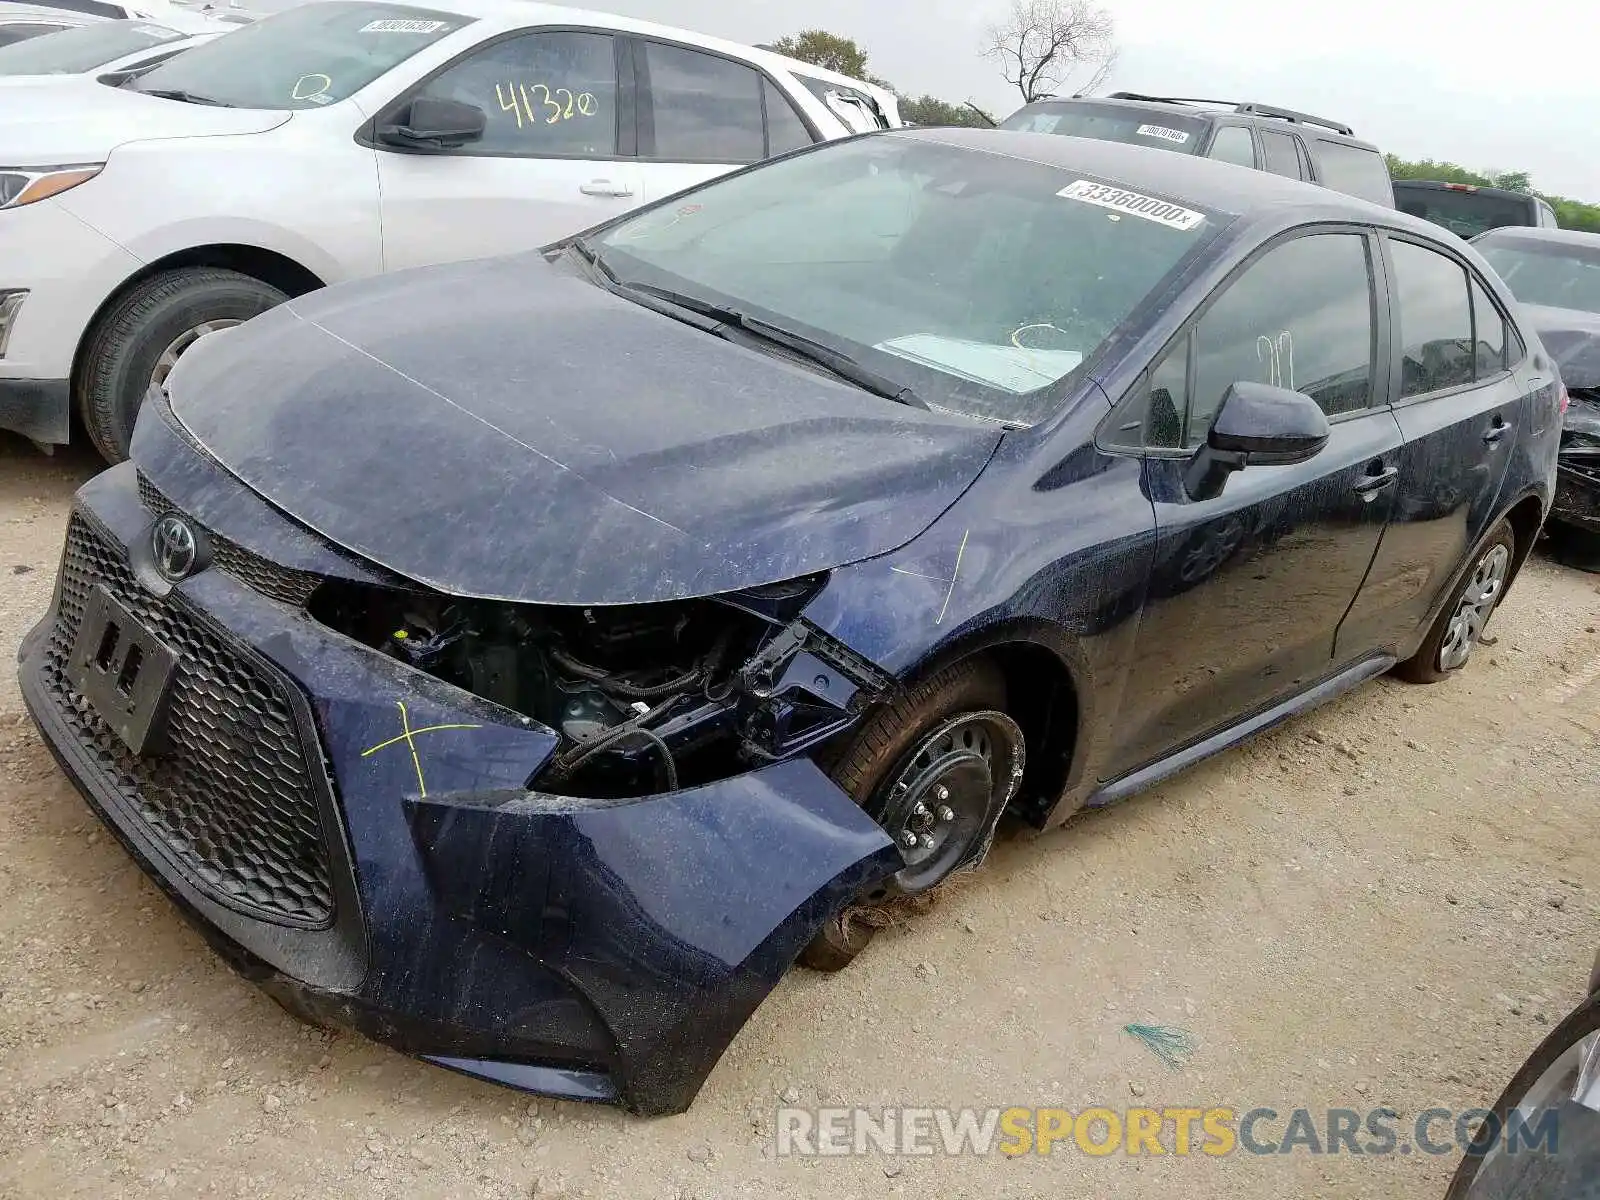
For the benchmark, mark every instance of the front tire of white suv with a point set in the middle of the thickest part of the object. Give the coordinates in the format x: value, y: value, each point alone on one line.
x: 142, y: 333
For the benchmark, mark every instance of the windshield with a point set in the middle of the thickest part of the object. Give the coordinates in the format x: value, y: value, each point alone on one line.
x: 1109, y: 123
x: 1548, y: 274
x: 1465, y: 214
x: 976, y: 280
x: 74, y: 50
x: 303, y: 57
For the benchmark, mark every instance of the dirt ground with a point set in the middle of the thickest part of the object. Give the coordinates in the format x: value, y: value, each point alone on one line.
x: 1385, y: 902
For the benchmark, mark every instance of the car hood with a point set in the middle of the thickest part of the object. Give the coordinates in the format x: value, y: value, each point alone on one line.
x: 1573, y: 338
x: 73, y: 119
x: 509, y: 430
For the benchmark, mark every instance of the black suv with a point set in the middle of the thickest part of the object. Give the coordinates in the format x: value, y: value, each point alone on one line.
x: 1279, y: 140
x: 1467, y: 210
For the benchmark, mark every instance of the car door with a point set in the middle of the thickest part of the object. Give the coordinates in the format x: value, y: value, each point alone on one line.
x: 702, y: 115
x: 1248, y: 588
x: 1459, y: 406
x: 556, y: 156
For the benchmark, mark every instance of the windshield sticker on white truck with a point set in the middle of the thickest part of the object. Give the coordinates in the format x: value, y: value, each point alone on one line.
x: 1161, y: 131
x: 1120, y: 200
x: 399, y: 26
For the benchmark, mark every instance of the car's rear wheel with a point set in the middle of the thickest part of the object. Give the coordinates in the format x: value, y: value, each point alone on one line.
x: 1460, y: 625
x: 142, y: 335
x: 935, y: 768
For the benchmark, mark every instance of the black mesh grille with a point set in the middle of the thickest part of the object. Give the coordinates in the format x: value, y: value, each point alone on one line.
x: 271, y: 580
x: 234, y: 800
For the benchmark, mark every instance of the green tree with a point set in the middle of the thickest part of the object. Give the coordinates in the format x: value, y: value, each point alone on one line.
x: 823, y: 49
x: 930, y: 110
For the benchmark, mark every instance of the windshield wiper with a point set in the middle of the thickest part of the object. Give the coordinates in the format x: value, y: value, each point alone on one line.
x: 186, y: 97
x: 721, y: 317
x: 586, y: 251
x: 836, y: 362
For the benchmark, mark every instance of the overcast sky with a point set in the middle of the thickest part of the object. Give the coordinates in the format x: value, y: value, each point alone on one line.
x: 1459, y: 80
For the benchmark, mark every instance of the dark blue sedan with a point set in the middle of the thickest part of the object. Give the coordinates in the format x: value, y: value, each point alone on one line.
x: 526, y: 661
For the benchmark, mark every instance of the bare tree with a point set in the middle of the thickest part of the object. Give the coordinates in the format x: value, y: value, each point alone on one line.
x: 1043, y: 44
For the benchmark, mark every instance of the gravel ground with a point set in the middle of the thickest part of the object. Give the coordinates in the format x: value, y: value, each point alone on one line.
x: 1385, y: 902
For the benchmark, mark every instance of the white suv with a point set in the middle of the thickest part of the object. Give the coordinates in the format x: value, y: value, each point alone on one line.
x: 339, y: 140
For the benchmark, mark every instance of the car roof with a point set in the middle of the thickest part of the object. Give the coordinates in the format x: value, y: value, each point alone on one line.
x: 515, y: 14
x: 1203, y: 181
x: 1530, y: 233
x: 1267, y: 116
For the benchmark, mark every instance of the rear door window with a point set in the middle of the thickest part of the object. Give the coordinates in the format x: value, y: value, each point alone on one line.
x: 1435, y: 320
x: 1354, y: 170
x: 785, y: 130
x: 1233, y: 144
x: 696, y: 107
x: 1488, y: 333
x: 1280, y: 154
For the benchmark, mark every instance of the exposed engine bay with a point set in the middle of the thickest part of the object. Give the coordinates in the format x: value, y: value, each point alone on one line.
x: 646, y: 698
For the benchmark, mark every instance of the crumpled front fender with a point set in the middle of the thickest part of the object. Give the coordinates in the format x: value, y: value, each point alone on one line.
x: 673, y: 915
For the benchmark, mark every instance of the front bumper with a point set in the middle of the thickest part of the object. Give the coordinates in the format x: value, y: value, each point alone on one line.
x: 68, y: 270
x: 40, y: 409
x: 360, y: 839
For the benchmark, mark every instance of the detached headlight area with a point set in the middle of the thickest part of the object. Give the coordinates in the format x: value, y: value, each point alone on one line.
x: 647, y: 698
x: 28, y: 185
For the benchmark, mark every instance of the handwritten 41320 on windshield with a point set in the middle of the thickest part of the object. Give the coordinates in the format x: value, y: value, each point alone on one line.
x: 535, y: 103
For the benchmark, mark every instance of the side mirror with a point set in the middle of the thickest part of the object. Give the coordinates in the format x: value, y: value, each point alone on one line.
x: 1257, y: 425
x: 430, y: 123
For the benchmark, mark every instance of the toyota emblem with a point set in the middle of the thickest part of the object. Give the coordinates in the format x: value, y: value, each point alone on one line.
x: 175, y: 548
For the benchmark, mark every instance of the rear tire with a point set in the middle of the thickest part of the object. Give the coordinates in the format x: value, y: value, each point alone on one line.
x: 160, y: 316
x: 1450, y: 643
x: 946, y: 739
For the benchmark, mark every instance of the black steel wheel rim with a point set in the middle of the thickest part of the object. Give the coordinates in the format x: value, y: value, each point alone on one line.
x: 941, y: 802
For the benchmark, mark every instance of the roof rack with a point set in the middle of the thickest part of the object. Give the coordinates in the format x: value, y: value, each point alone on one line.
x: 1169, y: 99
x: 1289, y: 114
x: 1251, y: 109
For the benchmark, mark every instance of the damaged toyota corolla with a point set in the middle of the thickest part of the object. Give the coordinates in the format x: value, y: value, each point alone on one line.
x: 527, y: 661
x: 1555, y: 273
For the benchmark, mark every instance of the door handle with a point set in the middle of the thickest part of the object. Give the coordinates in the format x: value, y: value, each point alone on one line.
x: 604, y: 187
x: 1498, y: 429
x: 1368, y: 486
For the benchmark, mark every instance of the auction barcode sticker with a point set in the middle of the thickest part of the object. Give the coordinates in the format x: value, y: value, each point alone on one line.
x: 400, y: 26
x: 1134, y: 204
x: 1162, y: 132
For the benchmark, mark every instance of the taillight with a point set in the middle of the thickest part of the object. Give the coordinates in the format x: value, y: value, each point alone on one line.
x: 1460, y: 187
x: 1565, y: 399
